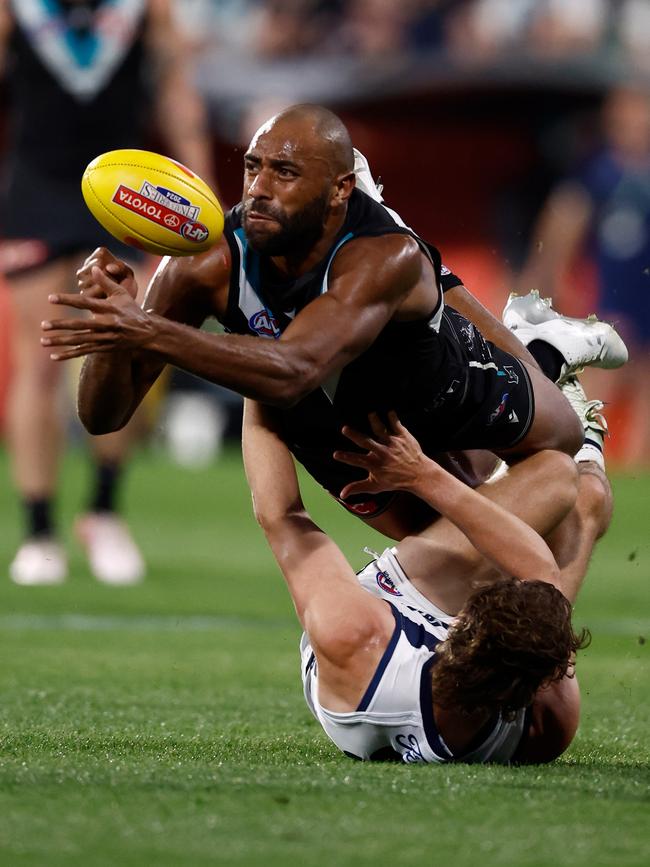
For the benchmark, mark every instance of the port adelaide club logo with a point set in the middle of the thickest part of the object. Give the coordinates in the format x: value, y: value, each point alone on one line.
x: 165, y: 208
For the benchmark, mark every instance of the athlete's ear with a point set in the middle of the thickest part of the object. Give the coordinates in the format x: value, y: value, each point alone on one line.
x: 343, y: 186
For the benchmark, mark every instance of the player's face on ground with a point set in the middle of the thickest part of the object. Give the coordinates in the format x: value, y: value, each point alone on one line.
x: 287, y: 189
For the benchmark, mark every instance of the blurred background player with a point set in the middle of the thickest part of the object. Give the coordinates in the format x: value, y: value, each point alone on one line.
x: 602, y: 209
x: 83, y: 76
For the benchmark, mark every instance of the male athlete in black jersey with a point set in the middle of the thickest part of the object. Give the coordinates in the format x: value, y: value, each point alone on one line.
x: 83, y: 77
x: 349, y: 302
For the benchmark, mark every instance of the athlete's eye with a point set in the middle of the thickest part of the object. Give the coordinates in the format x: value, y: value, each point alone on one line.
x: 286, y: 173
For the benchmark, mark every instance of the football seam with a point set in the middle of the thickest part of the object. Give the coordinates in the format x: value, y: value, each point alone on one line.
x: 169, y: 174
x: 171, y: 250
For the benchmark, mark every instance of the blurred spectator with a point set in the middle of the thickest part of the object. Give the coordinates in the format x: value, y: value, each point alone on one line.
x: 604, y: 209
x: 376, y: 28
x: 550, y: 30
x: 558, y: 28
x: 84, y: 76
x: 634, y: 32
x: 284, y: 28
x: 481, y: 29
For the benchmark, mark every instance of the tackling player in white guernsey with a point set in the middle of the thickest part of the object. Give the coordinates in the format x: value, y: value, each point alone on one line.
x: 456, y: 645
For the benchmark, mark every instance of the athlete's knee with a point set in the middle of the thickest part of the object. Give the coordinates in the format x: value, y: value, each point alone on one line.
x: 556, y: 425
x: 565, y: 473
x: 557, y: 474
x: 569, y: 433
x: 595, y: 499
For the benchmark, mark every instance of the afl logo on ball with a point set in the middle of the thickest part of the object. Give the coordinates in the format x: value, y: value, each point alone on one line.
x: 196, y: 232
x: 386, y: 583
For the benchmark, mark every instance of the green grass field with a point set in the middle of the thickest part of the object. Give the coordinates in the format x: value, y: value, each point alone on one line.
x: 165, y: 724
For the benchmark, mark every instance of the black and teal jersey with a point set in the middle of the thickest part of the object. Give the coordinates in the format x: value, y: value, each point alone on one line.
x: 420, y: 368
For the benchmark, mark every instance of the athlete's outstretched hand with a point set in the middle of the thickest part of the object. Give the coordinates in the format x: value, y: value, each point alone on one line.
x: 117, y: 322
x: 392, y: 457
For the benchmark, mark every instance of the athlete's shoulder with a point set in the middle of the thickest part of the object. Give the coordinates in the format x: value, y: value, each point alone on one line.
x: 202, y: 279
x: 380, y: 258
x: 233, y: 218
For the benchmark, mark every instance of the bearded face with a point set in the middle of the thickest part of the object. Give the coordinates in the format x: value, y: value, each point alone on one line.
x: 274, y: 231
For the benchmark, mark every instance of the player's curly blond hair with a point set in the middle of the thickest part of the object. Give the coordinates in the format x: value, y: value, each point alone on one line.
x: 509, y: 639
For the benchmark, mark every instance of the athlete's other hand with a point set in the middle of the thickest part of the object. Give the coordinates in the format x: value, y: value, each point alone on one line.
x: 392, y: 457
x: 117, y: 322
x: 113, y: 267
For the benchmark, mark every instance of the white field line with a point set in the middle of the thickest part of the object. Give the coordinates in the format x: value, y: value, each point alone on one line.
x: 635, y: 626
x: 138, y: 622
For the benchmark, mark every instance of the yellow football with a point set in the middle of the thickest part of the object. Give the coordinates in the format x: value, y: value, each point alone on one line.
x: 152, y: 202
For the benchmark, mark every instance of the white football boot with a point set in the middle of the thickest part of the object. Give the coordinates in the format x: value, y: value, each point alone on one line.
x: 528, y: 309
x: 582, y: 342
x: 113, y: 556
x: 40, y: 561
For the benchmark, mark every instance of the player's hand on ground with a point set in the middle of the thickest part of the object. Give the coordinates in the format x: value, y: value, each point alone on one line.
x: 392, y: 457
x: 116, y: 321
x: 115, y: 268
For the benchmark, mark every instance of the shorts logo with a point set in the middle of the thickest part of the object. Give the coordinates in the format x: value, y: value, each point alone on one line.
x: 499, y: 410
x: 387, y: 584
x: 264, y: 324
x: 365, y: 509
x: 412, y: 753
x: 165, y: 208
x: 510, y: 373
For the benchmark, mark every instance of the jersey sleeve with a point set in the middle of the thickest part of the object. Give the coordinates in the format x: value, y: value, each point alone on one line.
x: 446, y: 279
x: 449, y: 280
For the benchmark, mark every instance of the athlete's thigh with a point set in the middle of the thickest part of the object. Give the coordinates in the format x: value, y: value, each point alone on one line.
x: 554, y: 424
x: 28, y: 297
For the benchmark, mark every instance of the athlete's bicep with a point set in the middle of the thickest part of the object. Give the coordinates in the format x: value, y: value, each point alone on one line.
x: 190, y: 289
x: 368, y: 281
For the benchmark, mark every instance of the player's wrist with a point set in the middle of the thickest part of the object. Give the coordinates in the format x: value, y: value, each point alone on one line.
x: 423, y: 479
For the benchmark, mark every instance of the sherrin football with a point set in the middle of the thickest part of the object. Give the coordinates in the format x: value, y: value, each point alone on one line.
x: 152, y: 202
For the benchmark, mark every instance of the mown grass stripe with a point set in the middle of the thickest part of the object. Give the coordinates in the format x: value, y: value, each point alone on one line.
x: 217, y: 622
x: 137, y: 623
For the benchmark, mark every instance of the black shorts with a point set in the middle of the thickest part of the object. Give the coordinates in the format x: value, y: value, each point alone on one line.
x: 482, y: 399
x: 45, y: 219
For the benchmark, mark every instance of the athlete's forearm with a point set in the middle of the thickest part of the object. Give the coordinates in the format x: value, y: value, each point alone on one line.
x: 501, y: 537
x: 111, y: 387
x: 266, y: 370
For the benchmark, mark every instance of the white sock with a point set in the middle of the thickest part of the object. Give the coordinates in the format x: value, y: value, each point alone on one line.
x: 591, y: 451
